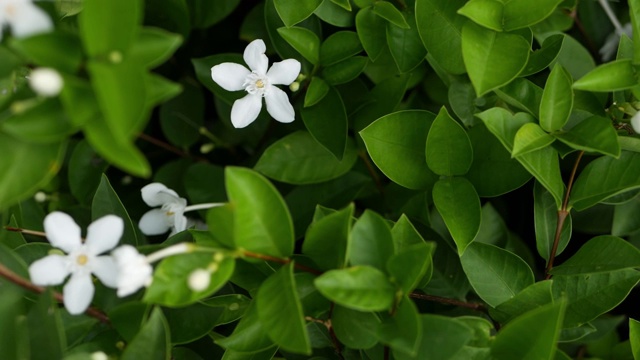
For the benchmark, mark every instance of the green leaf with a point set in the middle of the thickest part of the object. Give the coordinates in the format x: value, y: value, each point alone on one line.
x: 339, y: 46
x: 605, y: 177
x: 522, y: 94
x: 589, y: 296
x: 45, y: 50
x: 299, y: 159
x: 316, y: 91
x: 170, y: 286
x: 327, y: 240
x: 624, y: 222
x: 634, y: 337
x: 372, y: 30
x: 594, y: 133
x: 327, y: 122
x: 85, y: 172
x: 305, y: 41
x: 46, y: 331
x: 448, y: 150
x: 108, y: 26
x: 402, y: 330
x: 154, y: 46
x: 396, y: 144
x: 440, y: 29
x: 545, y: 216
x: 502, y: 15
x: 492, y: 58
x: 504, y: 125
x: 405, y: 44
x: 614, y: 76
x: 344, y: 71
x: 45, y: 122
x: 442, y: 338
x: 544, y: 165
x: 360, y: 288
x: 557, y: 100
x: 601, y: 254
x: 27, y: 167
x: 107, y: 202
x: 530, y: 336
x: 205, y: 13
x: 335, y: 12
x: 530, y: 137
x: 459, y: 205
x: 371, y: 242
x: 355, y: 329
x: 294, y: 11
x: 541, y: 58
x: 495, y: 274
x: 405, y: 234
x: 280, y: 311
x: 153, y: 340
x: 249, y: 336
x: 12, y: 307
x: 389, y: 12
x: 262, y: 220
x: 409, y: 265
x: 182, y: 116
x: 203, y: 73
x: 10, y: 61
x: 534, y: 296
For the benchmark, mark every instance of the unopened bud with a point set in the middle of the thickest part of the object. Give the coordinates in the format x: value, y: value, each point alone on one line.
x: 635, y: 122
x: 295, y: 86
x: 40, y: 197
x: 207, y: 148
x: 46, y: 82
x: 199, y: 279
x: 115, y: 57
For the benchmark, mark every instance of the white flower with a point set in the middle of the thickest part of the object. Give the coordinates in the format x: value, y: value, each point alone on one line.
x: 258, y: 82
x: 134, y: 271
x: 81, y: 260
x: 199, y: 279
x: 170, y: 215
x: 635, y: 122
x: 45, y: 82
x: 24, y: 18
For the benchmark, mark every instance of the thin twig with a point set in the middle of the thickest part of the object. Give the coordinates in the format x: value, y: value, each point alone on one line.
x: 25, y: 231
x: 590, y: 44
x: 281, y: 261
x: 169, y: 147
x: 447, y: 301
x: 372, y: 171
x: 16, y: 279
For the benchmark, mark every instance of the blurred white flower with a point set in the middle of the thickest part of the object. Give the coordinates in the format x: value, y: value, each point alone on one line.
x: 23, y: 18
x: 81, y: 260
x: 258, y: 82
x: 610, y: 47
x: 170, y: 215
x: 199, y: 279
x: 635, y: 122
x: 45, y: 82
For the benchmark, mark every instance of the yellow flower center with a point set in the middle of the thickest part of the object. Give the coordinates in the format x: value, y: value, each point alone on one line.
x: 259, y: 84
x: 82, y: 259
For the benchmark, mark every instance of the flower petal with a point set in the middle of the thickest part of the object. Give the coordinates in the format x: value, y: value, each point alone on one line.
x: 62, y: 231
x: 254, y: 56
x: 134, y: 272
x: 28, y: 19
x: 245, y: 110
x: 104, y: 234
x: 156, y: 194
x: 154, y: 222
x: 278, y: 105
x: 284, y: 72
x: 179, y: 222
x: 230, y: 76
x: 105, y: 269
x: 50, y: 270
x: 78, y: 293
x: 635, y: 122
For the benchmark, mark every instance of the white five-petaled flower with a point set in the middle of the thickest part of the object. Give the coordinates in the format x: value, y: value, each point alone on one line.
x: 259, y: 83
x: 82, y: 259
x: 170, y: 215
x: 24, y: 18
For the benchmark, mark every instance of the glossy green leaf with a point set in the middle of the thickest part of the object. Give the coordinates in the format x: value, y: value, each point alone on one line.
x: 299, y: 159
x: 154, y: 46
x: 532, y: 297
x: 249, y: 336
x: 294, y: 11
x: 442, y: 338
x: 530, y: 137
x: 634, y: 337
x: 545, y: 216
x: 605, y: 177
x: 601, y: 254
x: 530, y: 336
x: 44, y: 50
x: 492, y: 58
x: 624, y: 223
x: 440, y: 28
x: 10, y: 61
x: 405, y: 45
x: 305, y: 42
x: 46, y: 335
x: 595, y: 134
x: 339, y: 46
x: 344, y: 71
x: 371, y: 242
x: 405, y: 234
x: 613, y: 76
x: 504, y: 125
x: 589, y: 296
x: 448, y: 149
x: 502, y: 15
x: 522, y: 94
x: 327, y: 122
x: 108, y: 26
x: 544, y: 165
x: 355, y: 329
x: 205, y: 13
x: 327, y: 240
x: 278, y: 296
x: 106, y: 202
x: 402, y: 331
x: 557, y: 100
x: 409, y: 265
x: 390, y: 13
x: 203, y: 73
x: 459, y: 205
x: 372, y: 30
x: 396, y: 144
x: 12, y: 307
x: 45, y: 122
x: 362, y: 288
x: 27, y: 167
x: 85, y: 172
x: 495, y: 274
x: 316, y: 91
x: 182, y: 117
x: 541, y: 58
x: 336, y: 12
x: 153, y: 340
x: 262, y: 220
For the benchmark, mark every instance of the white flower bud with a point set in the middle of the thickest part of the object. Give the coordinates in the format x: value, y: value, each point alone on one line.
x: 295, y: 86
x: 40, y: 197
x: 99, y: 355
x: 199, y: 279
x: 46, y: 82
x: 635, y: 122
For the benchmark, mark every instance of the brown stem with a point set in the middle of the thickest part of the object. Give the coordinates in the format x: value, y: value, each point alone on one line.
x: 562, y: 216
x: 590, y: 44
x: 281, y: 261
x: 447, y: 301
x: 332, y: 333
x: 169, y: 147
x: 402, y: 4
x: 25, y: 231
x: 372, y: 171
x: 16, y: 279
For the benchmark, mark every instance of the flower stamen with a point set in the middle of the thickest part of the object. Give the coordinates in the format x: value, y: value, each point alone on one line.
x: 82, y: 259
